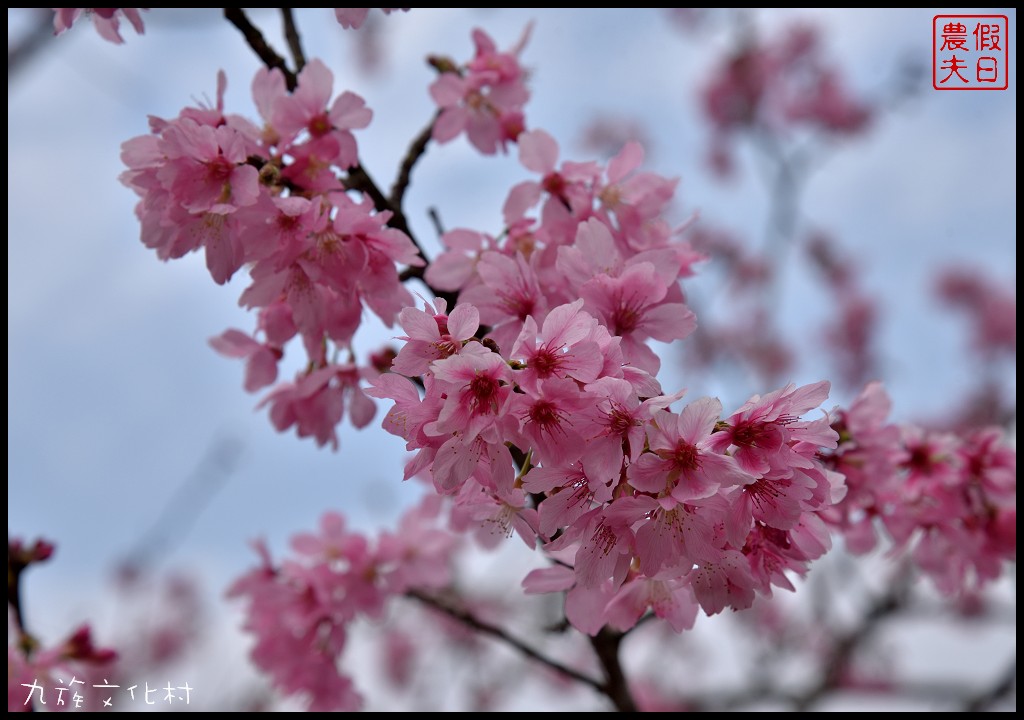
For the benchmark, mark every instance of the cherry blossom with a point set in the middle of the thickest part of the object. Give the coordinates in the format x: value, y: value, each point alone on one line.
x: 107, y: 21
x: 484, y: 98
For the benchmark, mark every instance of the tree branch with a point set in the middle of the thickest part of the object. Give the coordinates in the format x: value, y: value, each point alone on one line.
x: 20, y: 52
x: 435, y: 218
x: 846, y: 645
x: 415, y: 152
x: 19, y: 557
x: 606, y: 645
x: 359, y: 179
x: 475, y: 623
x: 291, y: 34
x: 15, y: 566
x: 1003, y: 686
x: 253, y: 36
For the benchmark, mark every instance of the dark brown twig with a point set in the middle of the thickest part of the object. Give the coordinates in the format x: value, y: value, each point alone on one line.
x: 253, y: 36
x: 606, y: 645
x: 415, y: 152
x: 14, y: 569
x: 844, y: 647
x: 291, y: 35
x: 1002, y: 687
x: 475, y: 623
x: 19, y: 557
x: 25, y: 47
x: 435, y: 219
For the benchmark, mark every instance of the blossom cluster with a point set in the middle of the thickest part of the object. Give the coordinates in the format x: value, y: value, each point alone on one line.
x: 779, y: 87
x: 951, y: 499
x: 544, y: 366
x: 272, y: 197
x: 279, y: 198
x: 300, y: 610
x: 483, y: 98
x: 353, y: 18
x: 991, y: 307
x: 107, y: 21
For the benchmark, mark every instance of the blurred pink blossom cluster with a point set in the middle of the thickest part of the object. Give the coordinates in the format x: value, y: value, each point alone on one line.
x: 40, y: 676
x: 300, y: 609
x: 991, y: 307
x: 779, y: 86
x: 107, y: 21
x: 950, y: 499
x: 353, y: 18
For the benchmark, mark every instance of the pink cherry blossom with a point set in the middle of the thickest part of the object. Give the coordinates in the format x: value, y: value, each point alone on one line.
x: 433, y: 335
x: 671, y: 536
x: 547, y: 417
x: 760, y: 431
x: 419, y: 553
x: 568, y: 189
x: 353, y: 18
x: 605, y: 551
x: 261, y: 358
x: 316, y: 402
x: 298, y: 640
x: 631, y: 306
x: 869, y: 454
x: 613, y: 426
x: 682, y: 461
x: 49, y: 667
x: 638, y: 200
x: 300, y: 611
x: 478, y: 387
x: 990, y: 305
x: 509, y: 293
x: 494, y: 516
x: 575, y: 497
x: 562, y: 348
x: 671, y: 600
x: 306, y: 110
x: 726, y: 582
x: 456, y: 266
x: 105, y: 20
x: 486, y: 100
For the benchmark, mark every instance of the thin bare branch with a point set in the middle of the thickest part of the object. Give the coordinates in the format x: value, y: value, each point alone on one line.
x: 291, y: 35
x: 435, y: 219
x: 846, y: 645
x: 475, y: 623
x: 20, y: 52
x: 415, y: 152
x: 253, y: 36
x: 1003, y: 686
